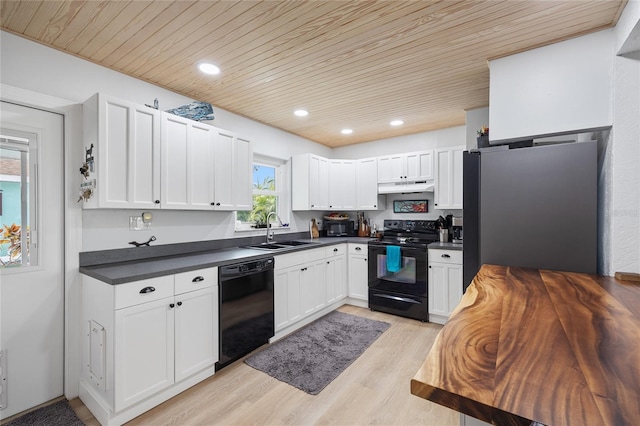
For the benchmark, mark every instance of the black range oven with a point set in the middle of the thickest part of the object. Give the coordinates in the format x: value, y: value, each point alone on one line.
x: 404, y: 291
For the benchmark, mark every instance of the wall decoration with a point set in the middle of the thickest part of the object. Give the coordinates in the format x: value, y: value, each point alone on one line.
x: 410, y: 206
x: 198, y: 111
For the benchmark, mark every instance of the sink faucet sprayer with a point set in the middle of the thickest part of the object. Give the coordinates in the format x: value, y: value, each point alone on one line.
x: 270, y: 235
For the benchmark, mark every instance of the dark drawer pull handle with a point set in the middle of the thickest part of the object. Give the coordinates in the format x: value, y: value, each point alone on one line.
x: 179, y: 303
x: 445, y: 255
x: 358, y: 248
x: 197, y: 279
x: 335, y: 250
x: 147, y: 290
x: 172, y: 305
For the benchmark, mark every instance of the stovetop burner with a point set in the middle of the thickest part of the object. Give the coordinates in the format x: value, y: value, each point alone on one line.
x: 411, y: 233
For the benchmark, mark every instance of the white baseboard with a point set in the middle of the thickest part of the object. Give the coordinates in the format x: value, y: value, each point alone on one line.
x: 106, y: 417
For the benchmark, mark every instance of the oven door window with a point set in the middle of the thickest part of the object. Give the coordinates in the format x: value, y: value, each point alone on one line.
x: 406, y: 275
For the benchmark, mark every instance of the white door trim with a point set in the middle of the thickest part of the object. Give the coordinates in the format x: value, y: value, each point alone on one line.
x: 72, y: 112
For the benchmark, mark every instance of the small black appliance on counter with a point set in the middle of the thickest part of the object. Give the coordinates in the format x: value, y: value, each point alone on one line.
x: 339, y: 228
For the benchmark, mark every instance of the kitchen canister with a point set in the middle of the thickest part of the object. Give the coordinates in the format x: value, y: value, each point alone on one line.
x: 444, y: 235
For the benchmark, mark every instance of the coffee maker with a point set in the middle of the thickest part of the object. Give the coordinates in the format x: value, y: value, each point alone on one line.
x: 456, y: 230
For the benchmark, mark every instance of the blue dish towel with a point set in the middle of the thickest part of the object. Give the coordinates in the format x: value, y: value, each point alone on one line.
x: 394, y: 259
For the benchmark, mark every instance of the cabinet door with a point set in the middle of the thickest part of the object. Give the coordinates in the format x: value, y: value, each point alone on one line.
x: 438, y: 290
x: 223, y: 193
x: 127, y: 154
x: 143, y: 352
x: 358, y: 268
x: 308, y: 291
x: 391, y: 168
x: 200, y: 147
x: 348, y: 185
x: 281, y: 299
x: 454, y: 287
x: 318, y: 183
x: 367, y: 184
x: 242, y: 175
x: 419, y: 165
x: 187, y: 163
x: 448, y: 183
x: 319, y: 278
x: 336, y: 279
x: 196, y: 331
x: 456, y: 177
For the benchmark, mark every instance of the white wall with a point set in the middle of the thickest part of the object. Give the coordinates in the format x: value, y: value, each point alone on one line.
x: 622, y: 180
x: 564, y: 87
x: 442, y: 138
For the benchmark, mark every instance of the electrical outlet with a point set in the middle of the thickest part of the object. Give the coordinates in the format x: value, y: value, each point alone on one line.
x: 137, y: 224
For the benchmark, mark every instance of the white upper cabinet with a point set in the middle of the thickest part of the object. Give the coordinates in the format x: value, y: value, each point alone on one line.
x: 391, y: 168
x: 204, y: 168
x: 318, y: 183
x: 406, y: 167
x: 309, y: 182
x: 187, y: 163
x: 448, y: 182
x: 367, y: 197
x: 342, y: 185
x: 145, y: 158
x: 126, y: 150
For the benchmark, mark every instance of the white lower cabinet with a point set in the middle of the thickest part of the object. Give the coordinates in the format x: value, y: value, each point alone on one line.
x: 445, y: 283
x: 336, y: 273
x: 146, y: 341
x: 306, y: 282
x: 358, y: 271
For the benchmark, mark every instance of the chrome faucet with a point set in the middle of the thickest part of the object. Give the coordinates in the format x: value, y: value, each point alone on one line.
x: 270, y: 234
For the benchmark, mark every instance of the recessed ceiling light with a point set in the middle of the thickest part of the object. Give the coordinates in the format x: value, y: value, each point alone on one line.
x: 346, y: 131
x: 301, y: 112
x: 397, y: 123
x: 208, y: 68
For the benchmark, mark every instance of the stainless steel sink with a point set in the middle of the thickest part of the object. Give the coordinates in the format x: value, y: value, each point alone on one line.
x: 279, y: 245
x: 265, y: 246
x: 293, y: 243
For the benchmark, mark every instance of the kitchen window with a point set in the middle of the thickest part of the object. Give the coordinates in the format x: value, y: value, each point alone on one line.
x: 269, y: 177
x: 18, y: 154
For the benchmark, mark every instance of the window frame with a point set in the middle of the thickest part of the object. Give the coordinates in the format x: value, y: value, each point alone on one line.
x: 282, y: 173
x: 26, y: 143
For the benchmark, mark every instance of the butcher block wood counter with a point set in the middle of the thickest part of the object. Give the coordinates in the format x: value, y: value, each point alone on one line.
x: 528, y: 345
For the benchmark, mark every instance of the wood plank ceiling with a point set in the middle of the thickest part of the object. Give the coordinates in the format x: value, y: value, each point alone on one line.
x: 351, y: 64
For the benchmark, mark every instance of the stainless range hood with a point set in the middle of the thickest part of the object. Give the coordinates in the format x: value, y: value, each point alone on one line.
x: 405, y: 187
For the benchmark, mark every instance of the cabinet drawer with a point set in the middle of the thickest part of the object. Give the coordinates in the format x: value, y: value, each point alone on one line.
x: 143, y: 291
x: 335, y: 250
x: 195, y: 280
x: 445, y: 256
x: 314, y: 254
x: 358, y: 248
x: 285, y: 261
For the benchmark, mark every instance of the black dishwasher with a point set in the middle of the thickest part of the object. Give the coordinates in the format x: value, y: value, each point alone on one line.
x: 246, y: 308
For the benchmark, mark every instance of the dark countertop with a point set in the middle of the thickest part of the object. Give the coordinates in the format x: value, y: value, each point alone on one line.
x: 119, y: 272
x: 445, y: 246
x: 558, y: 348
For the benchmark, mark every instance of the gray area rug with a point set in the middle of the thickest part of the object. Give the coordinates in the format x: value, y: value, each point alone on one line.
x: 313, y: 356
x: 58, y: 414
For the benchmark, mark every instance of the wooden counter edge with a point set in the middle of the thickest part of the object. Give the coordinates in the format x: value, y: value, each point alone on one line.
x: 465, y: 405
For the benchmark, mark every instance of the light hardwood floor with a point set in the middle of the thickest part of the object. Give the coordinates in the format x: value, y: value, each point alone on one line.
x: 372, y: 390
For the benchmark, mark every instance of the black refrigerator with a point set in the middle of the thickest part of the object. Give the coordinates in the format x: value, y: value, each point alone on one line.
x: 533, y: 207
